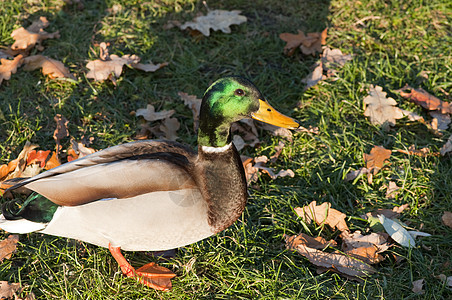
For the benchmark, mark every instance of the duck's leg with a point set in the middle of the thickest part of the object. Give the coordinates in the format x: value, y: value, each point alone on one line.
x: 151, y: 274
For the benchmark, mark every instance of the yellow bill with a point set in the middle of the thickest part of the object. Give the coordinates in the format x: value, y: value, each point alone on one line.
x: 269, y: 115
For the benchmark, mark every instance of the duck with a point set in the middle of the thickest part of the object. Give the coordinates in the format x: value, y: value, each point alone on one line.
x: 148, y: 195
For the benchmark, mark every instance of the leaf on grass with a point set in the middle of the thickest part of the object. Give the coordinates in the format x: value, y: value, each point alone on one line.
x: 109, y: 69
x: 248, y: 132
x: 308, y: 44
x: 39, y: 157
x: 354, y: 174
x: 418, y: 286
x: 388, y: 213
x: 170, y: 126
x: 21, y: 161
x: 333, y: 59
x: 194, y: 104
x: 278, y: 152
x: 412, y: 116
x: 440, y: 121
x: 397, y: 232
x: 315, y: 76
x: 447, y: 219
x: 149, y: 113
x: 447, y: 147
x: 50, y: 67
x: 392, y: 189
x: 423, y: 152
x: 60, y: 132
x: 303, y: 239
x: 369, y: 254
x: 323, y: 214
x: 26, y: 39
x: 335, y: 261
x: 149, y: 67
x: 381, y: 110
x: 8, y: 67
x: 357, y: 240
x: 215, y: 20
x: 424, y: 99
x: 8, y: 246
x: 377, y: 158
x: 9, y: 290
x: 276, y: 130
x: 78, y: 150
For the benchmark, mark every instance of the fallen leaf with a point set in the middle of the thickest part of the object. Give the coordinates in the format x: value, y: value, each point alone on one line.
x: 333, y: 59
x: 418, y: 286
x: 388, y: 213
x: 323, y: 214
x: 424, y: 99
x: 60, y: 132
x: 397, y: 232
x: 78, y: 150
x: 315, y: 76
x: 248, y: 133
x: 316, y: 243
x: 21, y: 161
x: 149, y: 113
x: 380, y: 109
x: 50, y: 67
x: 377, y: 158
x: 309, y: 44
x: 215, y: 20
x: 357, y: 240
x: 39, y: 157
x: 335, y: 261
x: 251, y: 173
x: 276, y: 130
x: 8, y: 67
x: 412, y: 116
x: 170, y: 127
x: 354, y: 174
x: 109, y: 69
x: 9, y: 290
x: 8, y: 246
x: 26, y: 39
x: 149, y: 67
x: 52, y: 162
x: 194, y: 104
x: 447, y: 147
x: 369, y: 254
x: 447, y: 219
x: 278, y: 152
x: 391, y: 190
x: 423, y: 152
x: 440, y: 121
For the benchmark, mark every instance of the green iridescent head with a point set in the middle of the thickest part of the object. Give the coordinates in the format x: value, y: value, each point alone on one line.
x: 228, y: 100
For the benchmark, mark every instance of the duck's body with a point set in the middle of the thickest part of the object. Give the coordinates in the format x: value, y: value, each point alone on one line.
x: 149, y: 195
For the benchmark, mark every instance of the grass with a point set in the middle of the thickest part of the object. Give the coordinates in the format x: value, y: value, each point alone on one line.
x: 393, y: 42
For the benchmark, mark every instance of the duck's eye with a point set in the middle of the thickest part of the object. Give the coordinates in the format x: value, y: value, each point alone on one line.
x: 239, y: 92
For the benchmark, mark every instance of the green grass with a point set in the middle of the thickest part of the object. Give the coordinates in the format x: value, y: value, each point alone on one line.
x: 396, y: 44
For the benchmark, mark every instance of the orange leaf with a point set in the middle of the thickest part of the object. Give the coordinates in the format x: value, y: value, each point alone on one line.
x: 323, y: 214
x: 52, y: 162
x: 424, y: 99
x: 377, y: 158
x: 8, y: 67
x: 50, y: 67
x: 316, y: 243
x: 37, y: 157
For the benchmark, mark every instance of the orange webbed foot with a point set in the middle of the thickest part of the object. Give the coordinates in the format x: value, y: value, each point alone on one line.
x: 151, y: 274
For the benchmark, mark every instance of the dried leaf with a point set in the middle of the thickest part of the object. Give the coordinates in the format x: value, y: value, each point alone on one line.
x: 315, y: 76
x: 60, y: 132
x: 309, y: 44
x: 52, y: 162
x: 447, y: 218
x: 333, y: 59
x: 424, y: 99
x: 447, y: 147
x: 105, y: 69
x: 149, y: 113
x: 8, y: 246
x: 392, y: 189
x: 418, y: 286
x: 423, y: 152
x: 278, y: 152
x: 170, y: 126
x: 8, y: 67
x: 50, y: 67
x: 354, y: 174
x: 357, y: 240
x: 26, y: 39
x: 9, y: 290
x: 369, y: 254
x: 397, y: 232
x: 150, y: 67
x: 216, y: 20
x: 39, y: 157
x: 194, y: 104
x: 248, y: 132
x: 21, y: 161
x: 380, y: 109
x: 440, y: 121
x: 388, y: 213
x: 335, y: 261
x: 276, y: 130
x: 316, y: 243
x: 377, y: 158
x: 78, y: 150
x: 412, y: 116
x: 323, y: 214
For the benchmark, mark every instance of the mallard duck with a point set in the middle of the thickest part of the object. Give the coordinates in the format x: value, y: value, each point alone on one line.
x: 149, y: 195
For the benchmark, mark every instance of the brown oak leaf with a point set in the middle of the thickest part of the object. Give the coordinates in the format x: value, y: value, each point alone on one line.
x: 8, y: 67
x: 377, y: 158
x: 215, y: 20
x: 323, y: 214
x: 424, y: 99
x: 26, y: 39
x: 381, y: 110
x: 50, y: 67
x: 447, y: 219
x: 308, y: 44
x: 8, y: 246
